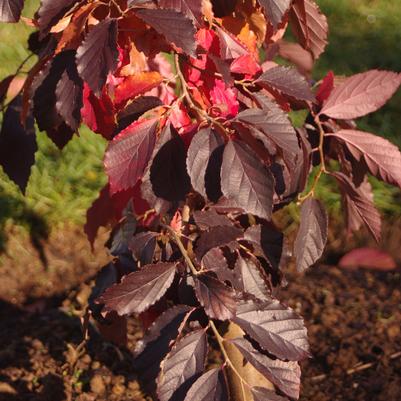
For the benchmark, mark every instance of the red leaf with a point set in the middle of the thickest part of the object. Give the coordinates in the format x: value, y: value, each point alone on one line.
x: 245, y: 65
x: 277, y: 328
x: 98, y: 112
x: 211, y: 386
x: 310, y: 26
x: 285, y: 375
x: 275, y: 10
x: 10, y: 10
x: 368, y: 258
x: 360, y: 205
x: 97, y: 56
x: 382, y: 158
x: 325, y: 87
x: 312, y: 234
x: 361, y: 94
x: 182, y: 365
x: 139, y: 290
x: 216, y: 297
x: 135, y: 85
x: 246, y: 181
x: 129, y: 153
x: 287, y: 81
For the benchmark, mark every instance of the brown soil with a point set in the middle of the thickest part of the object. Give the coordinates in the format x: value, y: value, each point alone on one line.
x: 353, y: 320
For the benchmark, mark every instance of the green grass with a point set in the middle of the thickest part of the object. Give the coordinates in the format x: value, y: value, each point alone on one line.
x: 364, y: 34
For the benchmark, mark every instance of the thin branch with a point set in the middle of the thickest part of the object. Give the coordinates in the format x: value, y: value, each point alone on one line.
x: 220, y: 341
x: 322, y: 168
x: 181, y: 246
x: 356, y: 368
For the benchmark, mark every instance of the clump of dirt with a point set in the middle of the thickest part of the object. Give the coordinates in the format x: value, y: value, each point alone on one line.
x: 353, y: 318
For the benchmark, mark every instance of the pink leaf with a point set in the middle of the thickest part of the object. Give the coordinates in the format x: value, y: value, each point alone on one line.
x: 361, y: 94
x: 368, y: 258
x: 382, y: 158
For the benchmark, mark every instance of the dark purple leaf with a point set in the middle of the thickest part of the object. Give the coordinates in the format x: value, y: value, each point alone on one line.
x: 17, y: 145
x: 60, y: 135
x: 266, y: 242
x: 210, y: 386
x: 166, y: 182
x: 10, y: 10
x: 175, y: 26
x: 285, y: 375
x: 312, y: 234
x: 359, y: 205
x: 97, y: 56
x: 246, y: 181
x: 223, y: 8
x: 275, y: 10
x: 252, y: 279
x: 69, y: 92
x: 264, y: 394
x: 215, y: 261
x: 4, y: 85
x: 287, y: 81
x: 217, y: 298
x: 277, y: 328
x: 272, y: 123
x: 191, y: 8
x: 128, y: 154
x: 155, y: 345
x: 204, y: 154
x: 215, y: 237
x: 361, y: 94
x: 122, y: 235
x: 143, y: 246
x: 180, y: 368
x: 135, y: 109
x: 45, y: 97
x: 139, y: 290
x: 382, y: 158
x: 51, y: 11
x: 310, y: 26
x: 207, y: 219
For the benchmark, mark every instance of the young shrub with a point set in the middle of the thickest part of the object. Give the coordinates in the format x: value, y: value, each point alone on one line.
x: 201, y: 156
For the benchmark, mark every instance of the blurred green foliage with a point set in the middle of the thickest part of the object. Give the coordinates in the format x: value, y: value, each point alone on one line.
x: 364, y: 34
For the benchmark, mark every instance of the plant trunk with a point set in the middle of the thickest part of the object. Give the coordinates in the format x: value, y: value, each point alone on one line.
x: 238, y: 391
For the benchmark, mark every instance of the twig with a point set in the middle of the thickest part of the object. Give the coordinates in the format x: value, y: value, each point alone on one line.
x: 356, y: 368
x: 220, y: 341
x: 322, y: 168
x: 184, y: 252
x: 201, y: 114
